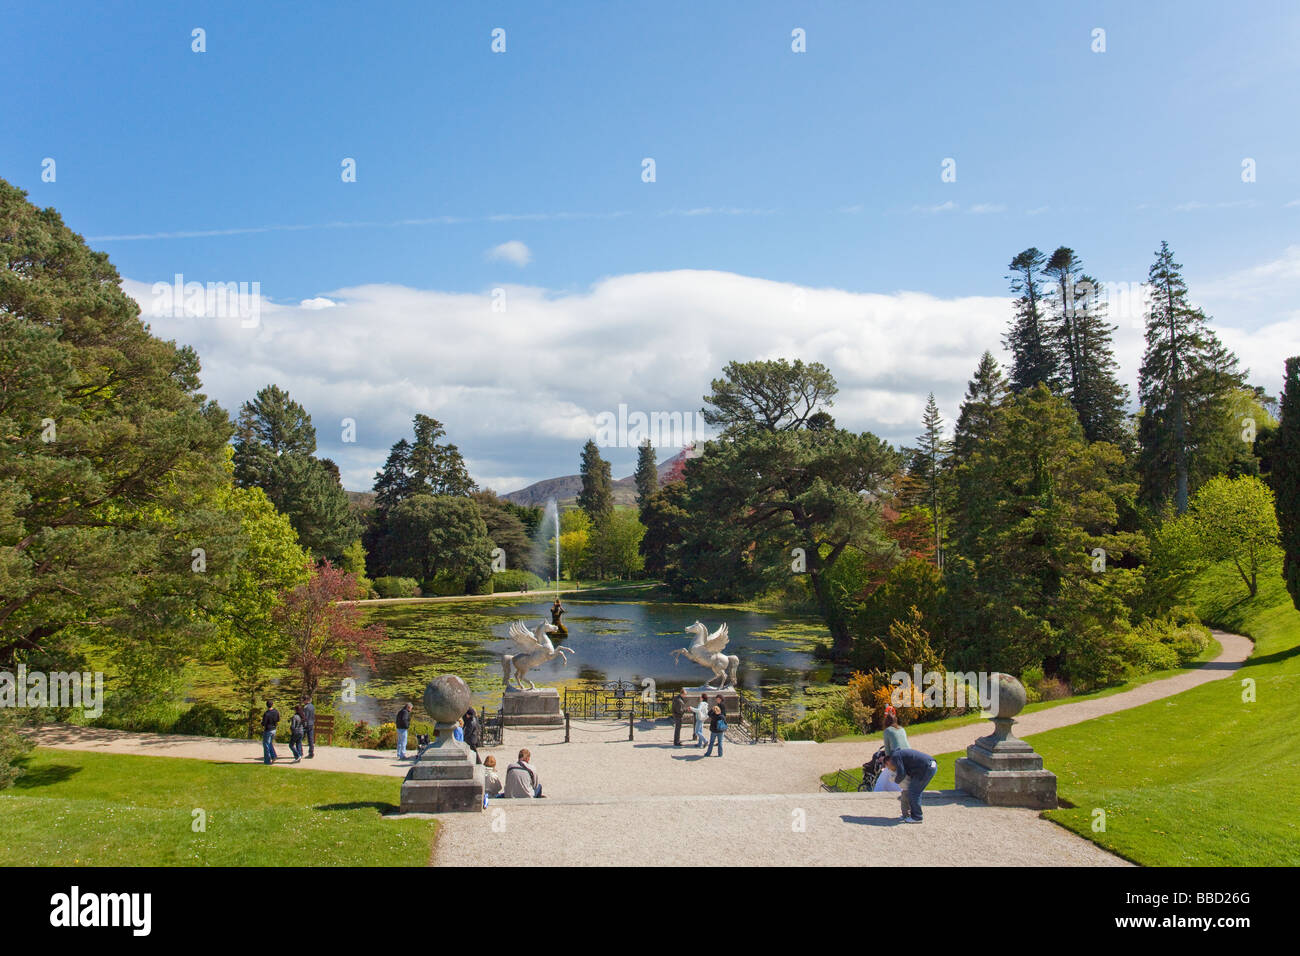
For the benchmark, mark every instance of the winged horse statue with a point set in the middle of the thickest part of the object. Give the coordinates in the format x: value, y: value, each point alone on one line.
x: 533, y: 648
x: 707, y: 652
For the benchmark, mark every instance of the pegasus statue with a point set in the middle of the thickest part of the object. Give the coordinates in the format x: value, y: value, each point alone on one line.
x: 533, y: 648
x: 707, y: 652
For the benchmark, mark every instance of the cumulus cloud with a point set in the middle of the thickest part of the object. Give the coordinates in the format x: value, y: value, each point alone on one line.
x: 513, y: 251
x: 520, y: 380
x: 320, y: 302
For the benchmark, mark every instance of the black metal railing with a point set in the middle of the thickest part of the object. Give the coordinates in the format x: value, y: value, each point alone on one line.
x: 621, y: 700
x: 493, y: 729
x: 759, y: 721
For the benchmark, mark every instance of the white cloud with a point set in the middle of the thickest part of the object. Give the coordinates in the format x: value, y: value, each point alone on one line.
x: 513, y: 251
x: 519, y: 391
x: 986, y: 207
x: 320, y: 302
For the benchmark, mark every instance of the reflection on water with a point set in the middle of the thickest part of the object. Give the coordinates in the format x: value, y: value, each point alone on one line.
x: 612, y: 640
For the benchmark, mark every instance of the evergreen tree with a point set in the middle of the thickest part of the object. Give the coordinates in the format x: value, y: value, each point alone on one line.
x: 110, y: 460
x: 270, y: 426
x: 393, y: 483
x: 422, y: 467
x: 437, y: 469
x: 275, y: 446
x: 1033, y: 355
x: 1082, y: 338
x: 1286, y: 478
x: 597, y: 495
x: 774, y: 395
x: 985, y: 393
x: 929, y: 464
x: 646, y: 475
x: 1184, y: 386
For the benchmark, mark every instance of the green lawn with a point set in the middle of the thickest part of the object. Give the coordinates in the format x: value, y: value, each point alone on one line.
x: 1202, y: 778
x: 87, y: 809
x: 1212, y: 651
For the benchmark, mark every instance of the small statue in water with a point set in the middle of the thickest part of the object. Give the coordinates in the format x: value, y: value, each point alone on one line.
x: 557, y: 612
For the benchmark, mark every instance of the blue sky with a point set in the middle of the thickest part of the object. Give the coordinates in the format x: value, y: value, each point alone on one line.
x: 818, y: 170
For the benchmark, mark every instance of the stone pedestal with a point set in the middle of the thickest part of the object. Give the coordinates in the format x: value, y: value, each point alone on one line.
x: 531, y: 708
x: 444, y: 779
x: 730, y: 699
x: 1004, y: 771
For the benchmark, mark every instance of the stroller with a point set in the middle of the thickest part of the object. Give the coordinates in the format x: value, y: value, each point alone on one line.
x: 871, y: 771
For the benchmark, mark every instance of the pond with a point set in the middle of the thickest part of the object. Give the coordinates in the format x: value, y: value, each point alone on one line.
x: 612, y: 640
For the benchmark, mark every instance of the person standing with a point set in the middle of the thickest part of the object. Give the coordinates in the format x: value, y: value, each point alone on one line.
x: 913, y: 770
x: 701, y: 712
x: 679, y: 712
x: 721, y: 704
x: 717, y: 728
x: 403, y: 722
x: 895, y: 737
x: 270, y: 720
x: 473, y: 732
x: 309, y: 729
x: 458, y: 732
x: 297, y: 727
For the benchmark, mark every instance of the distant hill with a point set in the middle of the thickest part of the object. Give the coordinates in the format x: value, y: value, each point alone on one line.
x: 565, y: 490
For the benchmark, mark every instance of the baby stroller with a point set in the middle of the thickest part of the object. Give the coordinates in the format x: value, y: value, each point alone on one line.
x: 871, y: 771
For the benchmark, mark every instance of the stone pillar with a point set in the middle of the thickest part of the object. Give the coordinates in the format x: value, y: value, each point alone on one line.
x: 531, y: 708
x: 1001, y: 769
x: 446, y: 777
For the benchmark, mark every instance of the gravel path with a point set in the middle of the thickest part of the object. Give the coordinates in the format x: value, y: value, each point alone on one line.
x: 610, y: 799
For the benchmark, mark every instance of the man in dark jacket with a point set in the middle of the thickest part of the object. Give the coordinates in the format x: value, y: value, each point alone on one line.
x: 679, y: 711
x: 403, y: 722
x: 913, y: 770
x: 309, y: 719
x: 270, y: 720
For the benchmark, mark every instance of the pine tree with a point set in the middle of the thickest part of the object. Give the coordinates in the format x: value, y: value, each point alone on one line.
x: 1029, y: 339
x: 393, y: 483
x: 597, y: 495
x: 1186, y: 379
x: 929, y: 464
x: 646, y: 475
x: 270, y: 426
x: 1101, y: 398
x: 984, y: 394
x: 275, y: 445
x: 1081, y: 337
x: 1286, y: 478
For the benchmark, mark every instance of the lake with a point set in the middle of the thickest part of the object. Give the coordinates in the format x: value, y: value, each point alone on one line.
x: 628, y: 640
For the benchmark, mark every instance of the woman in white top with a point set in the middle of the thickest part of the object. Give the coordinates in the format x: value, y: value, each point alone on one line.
x: 701, y: 712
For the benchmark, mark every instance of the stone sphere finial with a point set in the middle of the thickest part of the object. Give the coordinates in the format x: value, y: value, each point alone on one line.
x: 446, y: 698
x: 1008, y: 695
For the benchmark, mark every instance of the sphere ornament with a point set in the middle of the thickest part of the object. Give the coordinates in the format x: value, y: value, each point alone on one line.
x: 446, y: 698
x: 1008, y: 695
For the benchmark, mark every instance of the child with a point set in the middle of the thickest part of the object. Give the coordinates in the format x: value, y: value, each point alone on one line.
x: 491, y: 782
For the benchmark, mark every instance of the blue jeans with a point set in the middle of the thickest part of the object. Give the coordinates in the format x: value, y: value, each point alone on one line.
x: 714, y: 736
x: 699, y: 734
x: 295, y: 747
x: 401, y: 743
x: 914, y: 786
x: 268, y: 746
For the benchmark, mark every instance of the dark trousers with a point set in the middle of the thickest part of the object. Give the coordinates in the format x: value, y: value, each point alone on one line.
x: 677, y: 729
x: 914, y: 786
x: 311, y: 740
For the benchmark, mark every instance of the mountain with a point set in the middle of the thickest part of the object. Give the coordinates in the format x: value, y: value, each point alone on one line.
x: 565, y: 490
